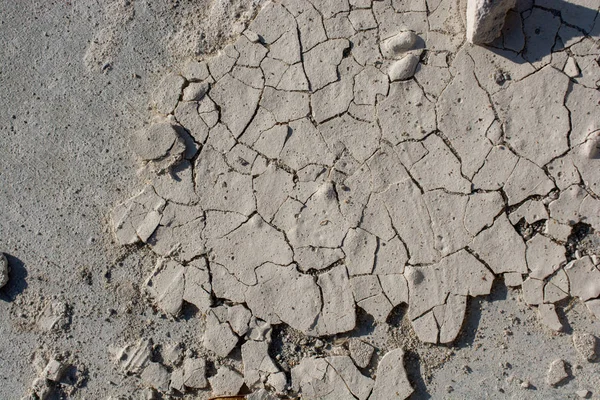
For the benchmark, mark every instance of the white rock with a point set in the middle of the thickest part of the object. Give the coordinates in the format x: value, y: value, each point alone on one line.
x: 556, y: 373
x: 485, y: 19
x: 391, y: 381
x: 194, y: 373
x: 4, y: 271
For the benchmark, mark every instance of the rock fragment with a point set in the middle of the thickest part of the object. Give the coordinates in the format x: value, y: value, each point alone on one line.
x: 361, y: 352
x: 586, y: 345
x: 54, y: 370
x: 485, y: 19
x: 391, y: 381
x: 3, y: 270
x: 226, y: 382
x: 549, y: 318
x: 194, y: 373
x: 584, y: 278
x: 557, y: 373
x: 156, y: 376
x: 218, y: 336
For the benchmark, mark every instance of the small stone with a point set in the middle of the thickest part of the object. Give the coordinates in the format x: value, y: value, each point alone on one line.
x: 586, y: 345
x: 571, y: 68
x: 485, y: 19
x: 584, y: 394
x: 251, y: 36
x: 525, y: 384
x: 3, y: 270
x: 404, y: 68
x: 54, y: 370
x: 557, y: 373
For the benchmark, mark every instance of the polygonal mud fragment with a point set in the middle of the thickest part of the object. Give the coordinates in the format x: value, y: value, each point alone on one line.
x: 316, y: 258
x: 481, y: 210
x: 414, y: 227
x: 531, y: 211
x: 391, y: 381
x: 332, y: 100
x: 304, y: 145
x: 166, y: 95
x: 586, y: 345
x: 508, y: 252
x: 338, y: 313
x: 407, y: 101
x: 369, y: 83
x: 557, y: 373
x: 219, y: 187
x: 194, y: 373
x: 218, y: 336
x: 450, y: 316
x: 235, y: 251
x: 332, y: 377
x: 544, y: 257
x: 166, y: 286
x: 523, y: 110
x: 440, y: 168
x: 359, y: 247
x: 533, y: 291
x: 584, y: 278
x: 137, y: 218
x: 526, y: 180
x: 226, y: 382
x: 360, y: 352
x: 237, y: 101
x: 464, y: 115
x: 284, y: 294
x: 499, y: 164
x: 360, y: 138
x: 321, y: 62
x: 154, y: 141
x: 549, y: 318
x: 459, y: 274
x: 258, y: 365
x: 447, y: 212
x: 172, y: 238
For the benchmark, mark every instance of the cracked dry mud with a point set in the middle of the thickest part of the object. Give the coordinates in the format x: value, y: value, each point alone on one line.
x: 354, y: 155
x: 344, y: 164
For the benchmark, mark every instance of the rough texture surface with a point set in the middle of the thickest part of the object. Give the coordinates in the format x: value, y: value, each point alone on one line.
x: 291, y: 198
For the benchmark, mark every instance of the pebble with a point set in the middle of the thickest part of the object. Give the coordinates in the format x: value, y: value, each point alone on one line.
x: 586, y: 345
x: 584, y: 394
x: 3, y: 270
x: 557, y: 373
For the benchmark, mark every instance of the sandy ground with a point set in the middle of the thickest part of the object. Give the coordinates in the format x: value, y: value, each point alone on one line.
x: 76, y: 79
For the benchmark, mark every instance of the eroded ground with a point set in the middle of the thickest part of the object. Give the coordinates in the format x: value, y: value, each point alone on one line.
x: 330, y: 190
